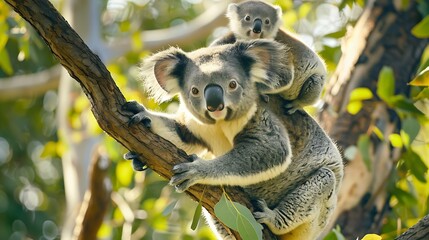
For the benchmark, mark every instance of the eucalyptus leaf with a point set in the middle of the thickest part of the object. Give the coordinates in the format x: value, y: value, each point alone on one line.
x: 167, y: 210
x: 411, y: 127
x: 197, y: 215
x: 415, y: 165
x: 421, y: 30
x: 424, y: 94
x: 239, y: 218
x: 422, y: 78
x: 386, y: 84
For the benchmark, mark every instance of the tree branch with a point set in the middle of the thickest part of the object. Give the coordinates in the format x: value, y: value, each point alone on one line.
x: 96, y: 200
x: 179, y: 35
x: 106, y: 99
x: 30, y: 85
x: 420, y: 231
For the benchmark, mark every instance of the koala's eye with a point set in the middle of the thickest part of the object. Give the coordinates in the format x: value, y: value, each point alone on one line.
x: 195, y: 91
x: 267, y: 21
x: 233, y: 84
x: 247, y: 18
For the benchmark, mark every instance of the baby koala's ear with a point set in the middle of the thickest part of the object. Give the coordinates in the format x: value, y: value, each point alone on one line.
x: 163, y: 73
x: 265, y: 61
x: 232, y: 9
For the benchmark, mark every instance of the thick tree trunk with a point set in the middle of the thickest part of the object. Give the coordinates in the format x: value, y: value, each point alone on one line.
x: 382, y: 37
x: 420, y: 231
x: 106, y: 100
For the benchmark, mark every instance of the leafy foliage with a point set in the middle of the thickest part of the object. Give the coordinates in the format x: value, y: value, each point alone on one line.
x: 239, y: 218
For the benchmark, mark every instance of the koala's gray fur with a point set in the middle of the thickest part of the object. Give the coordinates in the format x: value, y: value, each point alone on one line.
x: 306, y: 69
x: 295, y: 188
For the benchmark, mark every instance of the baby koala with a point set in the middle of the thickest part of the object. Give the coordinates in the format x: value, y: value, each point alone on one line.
x: 306, y: 70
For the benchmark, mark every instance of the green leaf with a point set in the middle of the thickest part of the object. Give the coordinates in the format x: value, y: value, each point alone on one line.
x: 396, y: 140
x: 304, y: 9
x: 415, y: 164
x: 405, y: 104
x: 5, y: 62
x: 356, y: 98
x: 339, y: 34
x: 404, y: 197
x: 124, y: 173
x: 239, y: 218
x: 335, y: 234
x: 422, y: 79
x: 359, y: 94
x: 421, y: 30
x: 386, y: 84
x: 354, y: 107
x: 363, y: 146
x: 169, y: 209
x: 197, y: 215
x: 371, y: 237
x: 49, y: 150
x: 424, y: 94
x: 411, y: 127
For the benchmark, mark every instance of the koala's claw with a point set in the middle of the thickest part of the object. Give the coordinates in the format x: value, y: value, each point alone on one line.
x: 266, y: 214
x: 141, y: 118
x: 193, y: 157
x: 138, y: 165
x: 184, y: 176
x: 265, y: 98
x: 140, y: 114
x: 183, y: 186
x: 133, y: 107
x: 292, y: 107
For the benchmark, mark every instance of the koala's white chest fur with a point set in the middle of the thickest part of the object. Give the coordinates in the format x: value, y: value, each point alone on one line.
x: 219, y: 136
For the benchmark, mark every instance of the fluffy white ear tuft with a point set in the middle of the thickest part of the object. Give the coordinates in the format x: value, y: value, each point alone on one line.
x: 270, y: 67
x: 279, y: 21
x: 279, y: 12
x: 162, y: 73
x: 232, y: 9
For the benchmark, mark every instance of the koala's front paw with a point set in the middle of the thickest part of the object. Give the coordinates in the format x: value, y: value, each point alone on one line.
x: 140, y: 113
x: 185, y: 175
x: 138, y: 165
x: 265, y: 215
x: 292, y: 107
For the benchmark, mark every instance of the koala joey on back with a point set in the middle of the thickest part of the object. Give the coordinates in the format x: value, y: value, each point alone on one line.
x: 256, y: 19
x: 294, y: 189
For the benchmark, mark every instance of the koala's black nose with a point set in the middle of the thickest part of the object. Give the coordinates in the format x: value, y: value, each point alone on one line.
x: 214, y: 97
x: 257, y: 25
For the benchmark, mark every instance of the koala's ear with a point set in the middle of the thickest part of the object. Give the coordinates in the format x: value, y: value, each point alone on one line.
x: 266, y: 61
x: 163, y: 73
x: 279, y: 21
x: 279, y: 12
x: 232, y: 9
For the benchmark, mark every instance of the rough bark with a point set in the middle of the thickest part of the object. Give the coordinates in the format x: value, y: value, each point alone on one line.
x: 420, y: 231
x: 106, y: 100
x: 381, y: 37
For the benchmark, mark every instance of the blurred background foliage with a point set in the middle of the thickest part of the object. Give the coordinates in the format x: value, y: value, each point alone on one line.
x: 32, y: 193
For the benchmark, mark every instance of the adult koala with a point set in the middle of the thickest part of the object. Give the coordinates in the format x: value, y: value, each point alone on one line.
x: 285, y: 162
